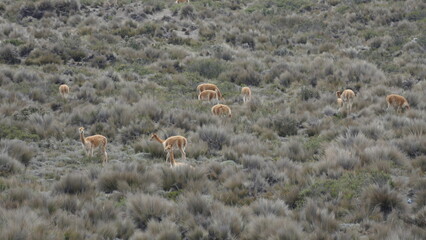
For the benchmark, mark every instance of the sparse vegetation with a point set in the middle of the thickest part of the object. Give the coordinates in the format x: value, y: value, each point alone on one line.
x: 287, y: 165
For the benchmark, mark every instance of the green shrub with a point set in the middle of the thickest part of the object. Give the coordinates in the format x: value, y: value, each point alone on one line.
x: 307, y: 93
x: 213, y: 136
x: 9, y: 165
x: 9, y: 55
x: 72, y: 184
x: 285, y: 125
x: 42, y: 57
x: 208, y: 68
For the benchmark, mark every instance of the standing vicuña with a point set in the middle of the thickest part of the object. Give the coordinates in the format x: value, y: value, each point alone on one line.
x: 172, y: 142
x: 209, y: 86
x: 397, y: 102
x: 347, y: 97
x: 92, y: 142
x: 221, y: 109
x: 64, y: 90
x: 246, y: 92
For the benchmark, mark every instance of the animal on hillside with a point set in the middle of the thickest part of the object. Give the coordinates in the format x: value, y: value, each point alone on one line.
x: 173, y: 163
x: 208, y: 95
x: 172, y: 142
x: 92, y: 142
x: 347, y: 97
x: 221, y: 110
x: 340, y: 102
x: 182, y: 1
x: 64, y: 90
x: 246, y: 92
x: 398, y: 102
x: 209, y: 86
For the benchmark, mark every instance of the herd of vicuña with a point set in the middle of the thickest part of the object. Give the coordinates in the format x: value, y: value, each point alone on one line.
x: 209, y: 91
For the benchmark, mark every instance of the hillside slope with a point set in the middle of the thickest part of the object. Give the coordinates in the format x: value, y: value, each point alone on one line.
x: 288, y: 165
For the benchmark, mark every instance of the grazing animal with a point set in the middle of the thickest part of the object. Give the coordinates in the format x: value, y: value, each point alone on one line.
x: 209, y: 86
x: 347, y: 97
x: 182, y: 1
x: 339, y: 102
x: 397, y: 102
x: 173, y: 163
x: 172, y: 142
x: 221, y: 110
x: 246, y: 92
x: 208, y: 95
x: 92, y: 142
x: 64, y: 90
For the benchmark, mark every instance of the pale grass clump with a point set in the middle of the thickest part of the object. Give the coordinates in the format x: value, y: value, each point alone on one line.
x: 24, y: 223
x: 383, y: 152
x: 213, y: 136
x: 225, y: 222
x: 382, y: 200
x: 73, y: 184
x: 318, y: 218
x: 342, y: 158
x: 184, y: 178
x: 161, y: 229
x: 265, y: 207
x: 19, y: 150
x: 144, y: 208
x: 272, y: 227
x: 9, y: 165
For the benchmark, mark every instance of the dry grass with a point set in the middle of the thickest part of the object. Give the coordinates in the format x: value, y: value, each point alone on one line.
x: 287, y: 165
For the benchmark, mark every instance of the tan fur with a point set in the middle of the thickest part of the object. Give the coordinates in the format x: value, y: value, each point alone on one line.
x: 92, y: 142
x: 208, y: 95
x: 246, y: 92
x: 340, y: 102
x: 172, y: 142
x: 209, y: 86
x: 397, y: 102
x: 171, y: 155
x: 64, y: 90
x: 182, y: 1
x: 347, y: 97
x: 221, y: 110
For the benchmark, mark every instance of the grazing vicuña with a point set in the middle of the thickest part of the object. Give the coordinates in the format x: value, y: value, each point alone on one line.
x: 397, y: 102
x: 347, y: 97
x: 221, y: 110
x: 208, y: 95
x: 209, y: 86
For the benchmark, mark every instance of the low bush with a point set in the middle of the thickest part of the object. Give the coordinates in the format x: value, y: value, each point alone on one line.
x: 382, y: 198
x: 144, y: 208
x: 72, y: 184
x: 208, y: 68
x: 9, y: 55
x: 213, y: 136
x: 9, y: 165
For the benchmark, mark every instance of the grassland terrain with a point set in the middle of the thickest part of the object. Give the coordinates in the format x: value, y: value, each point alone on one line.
x: 287, y: 165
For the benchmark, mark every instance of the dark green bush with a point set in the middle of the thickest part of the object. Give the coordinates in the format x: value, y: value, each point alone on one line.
x: 9, y: 55
x: 208, y: 68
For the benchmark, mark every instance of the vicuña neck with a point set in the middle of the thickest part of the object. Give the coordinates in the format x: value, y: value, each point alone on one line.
x: 82, y: 137
x: 158, y: 139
